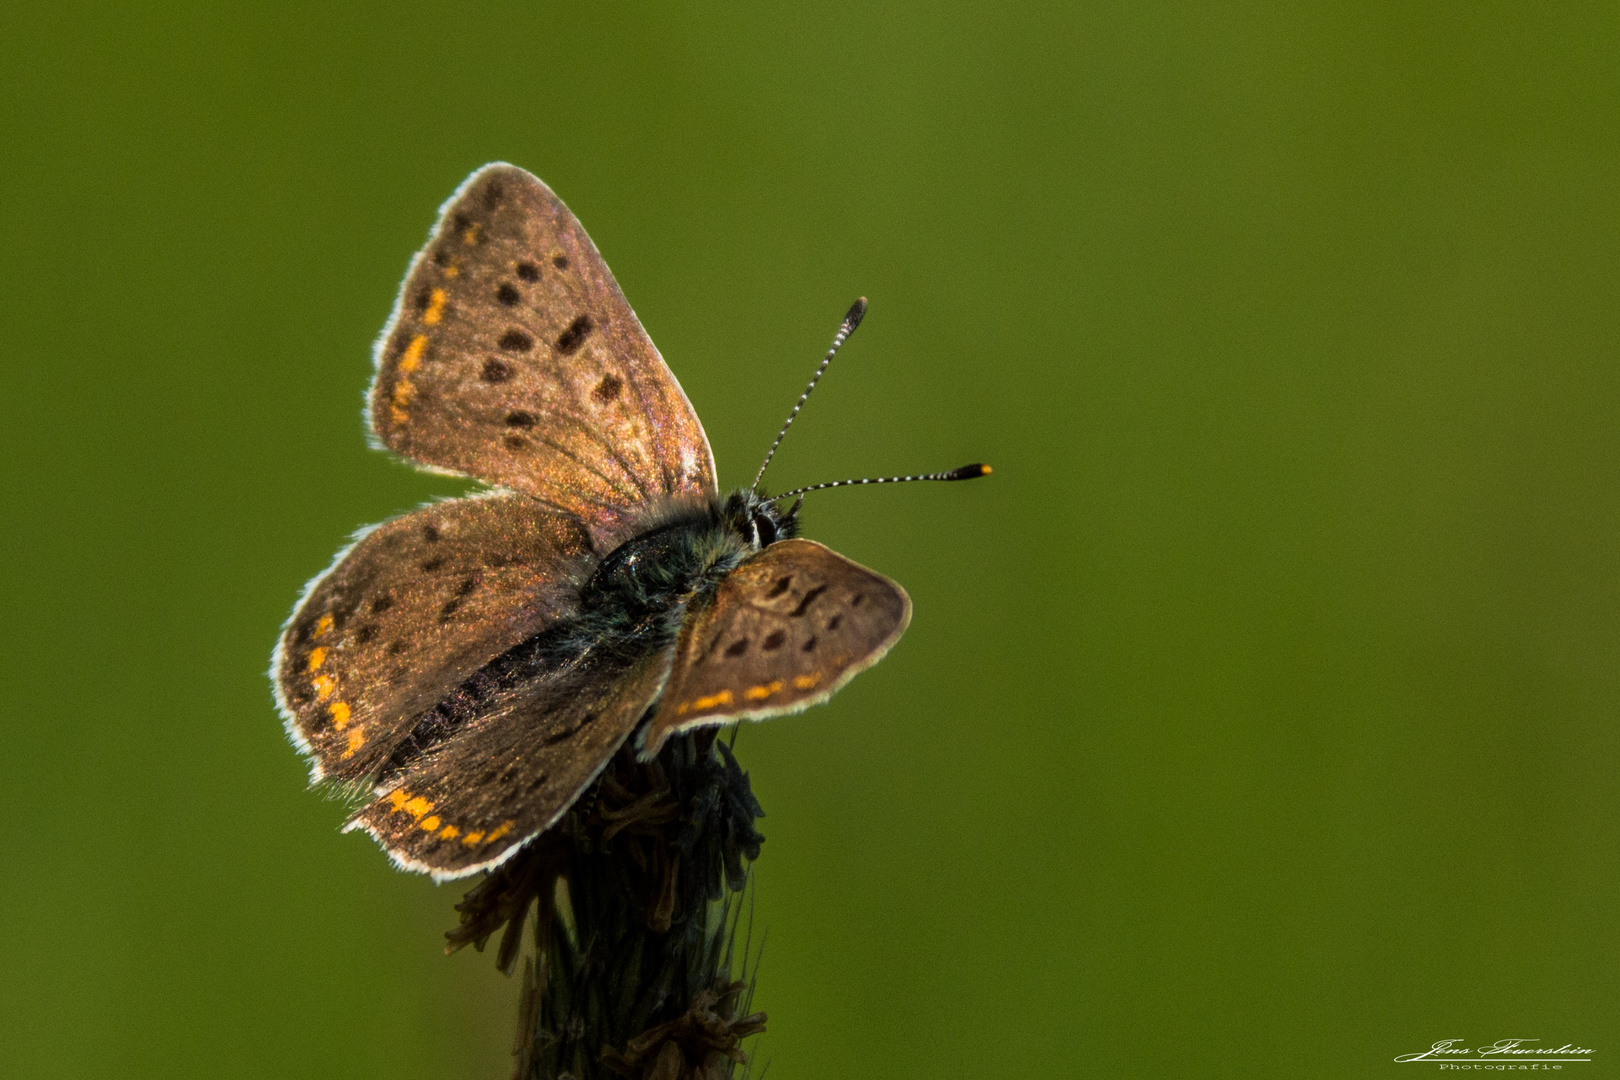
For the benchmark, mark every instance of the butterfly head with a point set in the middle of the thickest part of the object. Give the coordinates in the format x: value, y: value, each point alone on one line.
x: 757, y: 518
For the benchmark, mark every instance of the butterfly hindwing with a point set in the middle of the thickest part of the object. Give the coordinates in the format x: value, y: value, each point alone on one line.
x: 468, y: 803
x: 782, y: 632
x: 513, y: 357
x: 415, y: 607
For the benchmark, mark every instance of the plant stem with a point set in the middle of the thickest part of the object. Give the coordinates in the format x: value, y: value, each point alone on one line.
x: 637, y: 896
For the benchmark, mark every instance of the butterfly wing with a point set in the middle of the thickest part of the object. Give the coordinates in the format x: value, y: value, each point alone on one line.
x: 470, y: 802
x: 409, y: 612
x: 783, y: 632
x: 513, y: 357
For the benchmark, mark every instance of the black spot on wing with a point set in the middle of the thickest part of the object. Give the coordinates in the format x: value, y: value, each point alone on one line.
x: 773, y: 641
x: 430, y: 533
x: 738, y: 647
x: 781, y: 586
x: 608, y: 388
x: 560, y: 261
x: 342, y: 610
x: 496, y: 371
x: 809, y: 598
x: 508, y: 294
x: 520, y: 419
x: 515, y: 340
x: 569, y: 730
x: 432, y: 564
x: 569, y: 341
x: 528, y: 271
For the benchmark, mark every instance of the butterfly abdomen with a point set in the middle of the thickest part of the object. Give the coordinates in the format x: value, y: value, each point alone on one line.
x: 557, y: 646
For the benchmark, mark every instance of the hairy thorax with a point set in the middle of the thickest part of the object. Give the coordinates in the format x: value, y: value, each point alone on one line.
x: 682, y: 557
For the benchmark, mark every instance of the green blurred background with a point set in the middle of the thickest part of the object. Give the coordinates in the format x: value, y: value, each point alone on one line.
x: 1258, y: 717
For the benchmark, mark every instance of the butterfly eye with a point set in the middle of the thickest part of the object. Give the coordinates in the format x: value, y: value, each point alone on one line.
x: 764, y: 531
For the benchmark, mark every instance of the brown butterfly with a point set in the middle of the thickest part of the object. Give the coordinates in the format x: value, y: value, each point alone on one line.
x: 474, y: 664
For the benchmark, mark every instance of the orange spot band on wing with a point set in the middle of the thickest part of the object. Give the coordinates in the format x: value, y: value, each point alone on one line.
x: 324, y: 685
x: 323, y: 625
x: 340, y: 714
x: 399, y: 797
x: 506, y: 827
x: 449, y: 832
x: 417, y: 807
x: 317, y: 656
x: 760, y: 693
x: 357, y: 739
x: 435, y: 310
x: 805, y: 682
x: 708, y: 701
x: 413, y: 353
x: 472, y: 838
x: 404, y: 390
x: 429, y: 824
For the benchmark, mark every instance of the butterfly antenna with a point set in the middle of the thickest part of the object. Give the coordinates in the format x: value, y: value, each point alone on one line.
x: 966, y: 472
x: 857, y: 311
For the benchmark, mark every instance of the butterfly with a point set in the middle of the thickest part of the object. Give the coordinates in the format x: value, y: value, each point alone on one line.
x: 471, y: 666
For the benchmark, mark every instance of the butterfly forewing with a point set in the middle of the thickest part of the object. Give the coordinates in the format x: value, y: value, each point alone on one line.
x: 414, y: 608
x: 512, y: 356
x: 783, y: 631
x: 468, y: 803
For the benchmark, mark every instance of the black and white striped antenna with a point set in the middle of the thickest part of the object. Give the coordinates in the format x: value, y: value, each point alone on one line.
x: 857, y: 311
x: 966, y: 472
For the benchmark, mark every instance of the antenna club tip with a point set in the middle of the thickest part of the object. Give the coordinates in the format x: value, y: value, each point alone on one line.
x: 971, y: 472
x: 857, y: 312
